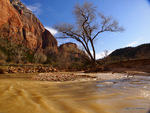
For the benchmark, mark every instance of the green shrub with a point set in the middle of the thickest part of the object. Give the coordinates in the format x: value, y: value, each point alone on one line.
x: 39, y: 57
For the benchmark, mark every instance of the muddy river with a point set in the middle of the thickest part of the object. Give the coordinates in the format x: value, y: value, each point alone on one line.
x: 111, y: 94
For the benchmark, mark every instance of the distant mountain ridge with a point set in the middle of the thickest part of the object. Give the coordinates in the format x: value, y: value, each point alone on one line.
x: 141, y: 51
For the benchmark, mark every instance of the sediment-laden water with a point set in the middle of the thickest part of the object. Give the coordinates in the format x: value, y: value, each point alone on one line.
x: 111, y: 94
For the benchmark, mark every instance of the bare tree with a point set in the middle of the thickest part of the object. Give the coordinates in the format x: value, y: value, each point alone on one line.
x: 86, y: 29
x: 105, y: 53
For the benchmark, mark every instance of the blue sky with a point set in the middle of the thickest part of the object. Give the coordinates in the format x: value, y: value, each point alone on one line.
x: 134, y: 15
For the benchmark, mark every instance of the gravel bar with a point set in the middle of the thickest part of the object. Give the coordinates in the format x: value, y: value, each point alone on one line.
x: 60, y: 77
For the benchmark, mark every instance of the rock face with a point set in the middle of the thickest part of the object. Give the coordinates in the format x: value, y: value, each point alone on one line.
x: 19, y: 24
x: 49, y: 41
x: 65, y: 47
x: 70, y: 50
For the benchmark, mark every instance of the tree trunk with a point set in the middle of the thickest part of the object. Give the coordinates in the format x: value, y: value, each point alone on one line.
x: 93, y: 63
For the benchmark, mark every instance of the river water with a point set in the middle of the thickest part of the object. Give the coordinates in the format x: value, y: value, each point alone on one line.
x: 111, y: 94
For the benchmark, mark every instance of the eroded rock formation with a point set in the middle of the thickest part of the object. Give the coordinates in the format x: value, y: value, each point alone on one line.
x: 20, y: 25
x: 70, y: 50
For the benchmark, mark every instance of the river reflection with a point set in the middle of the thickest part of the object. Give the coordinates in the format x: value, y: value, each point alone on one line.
x: 110, y: 94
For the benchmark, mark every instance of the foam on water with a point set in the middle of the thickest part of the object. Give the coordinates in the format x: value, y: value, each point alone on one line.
x: 145, y: 94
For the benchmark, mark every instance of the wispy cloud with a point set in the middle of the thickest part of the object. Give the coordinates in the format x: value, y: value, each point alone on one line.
x: 102, y: 54
x: 99, y: 55
x: 53, y: 31
x: 62, y: 41
x: 35, y: 8
x: 134, y: 43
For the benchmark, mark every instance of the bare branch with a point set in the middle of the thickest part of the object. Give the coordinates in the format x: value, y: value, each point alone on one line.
x: 86, y: 25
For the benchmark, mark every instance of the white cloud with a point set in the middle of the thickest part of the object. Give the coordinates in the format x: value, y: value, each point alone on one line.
x: 53, y: 31
x: 35, y: 8
x: 134, y: 43
x: 99, y: 55
x: 62, y: 41
x: 102, y: 54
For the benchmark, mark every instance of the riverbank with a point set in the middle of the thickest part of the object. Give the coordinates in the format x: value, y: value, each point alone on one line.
x: 138, y: 65
x: 47, y: 73
x: 72, y: 76
x: 27, y: 69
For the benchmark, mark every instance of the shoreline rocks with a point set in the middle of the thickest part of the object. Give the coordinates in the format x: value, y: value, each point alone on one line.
x: 61, y: 77
x: 1, y: 71
x: 27, y: 69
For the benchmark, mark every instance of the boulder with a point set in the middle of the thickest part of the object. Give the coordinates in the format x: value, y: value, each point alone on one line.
x: 1, y: 71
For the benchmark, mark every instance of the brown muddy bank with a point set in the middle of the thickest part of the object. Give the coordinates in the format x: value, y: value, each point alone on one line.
x: 138, y: 65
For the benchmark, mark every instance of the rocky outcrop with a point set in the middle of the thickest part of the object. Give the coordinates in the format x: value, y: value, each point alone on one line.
x: 49, y: 42
x: 20, y: 25
x: 70, y: 49
x: 10, y: 21
x: 67, y: 46
x: 70, y: 52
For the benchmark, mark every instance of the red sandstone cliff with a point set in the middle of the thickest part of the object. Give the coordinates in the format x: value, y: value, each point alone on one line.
x: 19, y: 24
